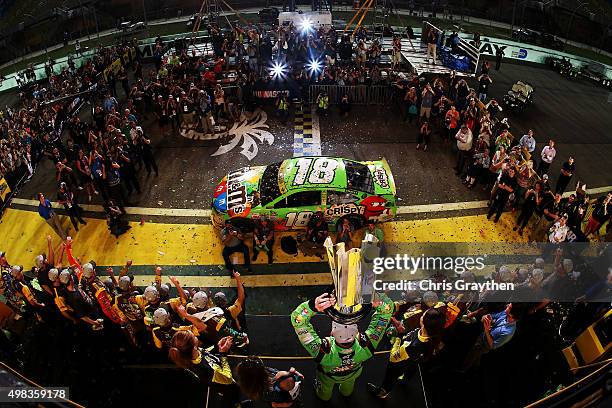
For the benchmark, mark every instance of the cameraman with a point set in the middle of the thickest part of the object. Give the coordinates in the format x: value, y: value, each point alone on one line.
x: 233, y: 240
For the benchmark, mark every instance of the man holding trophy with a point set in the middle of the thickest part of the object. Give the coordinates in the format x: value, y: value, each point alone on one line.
x: 341, y: 355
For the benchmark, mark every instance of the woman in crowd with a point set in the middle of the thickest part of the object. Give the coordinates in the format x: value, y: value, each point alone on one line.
x: 219, y: 101
x: 495, y: 168
x: 345, y: 233
x: 212, y: 369
x: 420, y: 346
x: 424, y: 136
x: 410, y: 102
x: 279, y: 389
x: 84, y: 171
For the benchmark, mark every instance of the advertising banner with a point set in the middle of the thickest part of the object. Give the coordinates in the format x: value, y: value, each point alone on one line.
x: 116, y: 65
x: 5, y: 190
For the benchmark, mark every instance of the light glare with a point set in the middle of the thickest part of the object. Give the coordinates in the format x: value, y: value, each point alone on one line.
x: 314, y: 66
x: 306, y: 25
x: 278, y: 70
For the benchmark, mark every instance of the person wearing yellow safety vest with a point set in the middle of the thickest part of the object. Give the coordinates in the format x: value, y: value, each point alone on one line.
x: 210, y: 367
x: 421, y: 346
x: 322, y: 103
x: 282, y: 107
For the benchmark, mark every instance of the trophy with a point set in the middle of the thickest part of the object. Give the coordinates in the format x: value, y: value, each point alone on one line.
x: 353, y: 277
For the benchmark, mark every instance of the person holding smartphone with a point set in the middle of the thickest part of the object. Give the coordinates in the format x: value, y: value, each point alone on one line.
x: 345, y: 233
x: 280, y: 389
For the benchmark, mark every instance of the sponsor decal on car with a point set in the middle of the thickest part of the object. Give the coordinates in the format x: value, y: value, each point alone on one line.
x: 381, y: 178
x: 339, y: 210
x: 374, y: 206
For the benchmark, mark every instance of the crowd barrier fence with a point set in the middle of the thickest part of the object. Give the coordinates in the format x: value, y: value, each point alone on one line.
x: 357, y: 94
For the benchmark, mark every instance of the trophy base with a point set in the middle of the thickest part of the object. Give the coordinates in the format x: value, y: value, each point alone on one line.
x: 352, y: 318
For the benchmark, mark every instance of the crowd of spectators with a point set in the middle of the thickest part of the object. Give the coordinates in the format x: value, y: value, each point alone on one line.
x: 439, y: 329
x: 56, y: 291
x: 193, y: 90
x: 99, y: 156
x: 506, y: 165
x: 103, y: 156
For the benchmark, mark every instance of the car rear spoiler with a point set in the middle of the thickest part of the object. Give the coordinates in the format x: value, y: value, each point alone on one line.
x: 391, y: 179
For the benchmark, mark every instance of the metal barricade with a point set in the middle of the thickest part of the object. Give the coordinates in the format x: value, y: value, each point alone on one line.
x: 358, y: 94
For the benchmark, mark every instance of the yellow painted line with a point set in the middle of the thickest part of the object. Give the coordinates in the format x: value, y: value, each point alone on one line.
x: 23, y: 237
x: 306, y: 279
x: 149, y: 211
x: 251, y: 281
x: 426, y: 208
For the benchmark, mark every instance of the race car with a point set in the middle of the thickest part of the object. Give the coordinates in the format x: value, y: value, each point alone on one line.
x: 288, y: 193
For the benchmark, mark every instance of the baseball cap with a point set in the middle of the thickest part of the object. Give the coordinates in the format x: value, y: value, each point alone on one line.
x: 108, y: 284
x: 16, y: 270
x: 88, y: 270
x: 53, y: 274
x: 39, y: 260
x: 539, y: 263
x: 200, y: 300
x: 522, y: 274
x: 64, y: 276
x: 220, y: 299
x: 430, y: 298
x: 504, y: 275
x: 161, y: 317
x: 124, y: 283
x: 468, y: 276
x: 151, y: 294
x: 164, y: 291
x: 537, y: 276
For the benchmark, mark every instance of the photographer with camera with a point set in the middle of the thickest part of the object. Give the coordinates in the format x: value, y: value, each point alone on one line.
x: 451, y: 120
x: 233, y: 240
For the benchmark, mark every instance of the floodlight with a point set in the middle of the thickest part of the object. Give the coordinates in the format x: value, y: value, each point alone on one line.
x: 278, y: 70
x: 306, y: 26
x: 314, y: 66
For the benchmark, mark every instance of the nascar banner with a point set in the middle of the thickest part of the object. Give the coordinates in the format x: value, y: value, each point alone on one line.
x: 116, y: 65
x: 5, y: 190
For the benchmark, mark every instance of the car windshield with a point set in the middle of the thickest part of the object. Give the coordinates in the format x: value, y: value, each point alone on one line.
x: 358, y: 177
x: 268, y: 187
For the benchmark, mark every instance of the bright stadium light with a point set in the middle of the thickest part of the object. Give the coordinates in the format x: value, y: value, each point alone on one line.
x: 278, y: 70
x: 314, y: 66
x: 306, y: 26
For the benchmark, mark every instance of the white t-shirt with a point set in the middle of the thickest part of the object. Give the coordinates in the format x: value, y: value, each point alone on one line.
x: 558, y: 233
